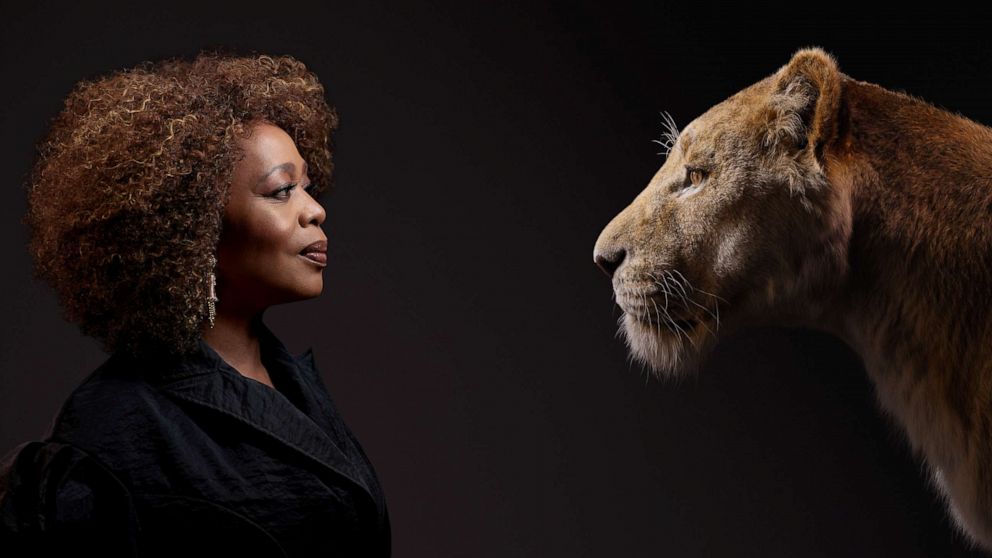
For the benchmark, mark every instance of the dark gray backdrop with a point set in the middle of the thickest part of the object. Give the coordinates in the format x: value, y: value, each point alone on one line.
x: 464, y: 331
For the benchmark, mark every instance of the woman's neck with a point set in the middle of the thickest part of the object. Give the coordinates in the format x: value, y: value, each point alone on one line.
x: 236, y: 340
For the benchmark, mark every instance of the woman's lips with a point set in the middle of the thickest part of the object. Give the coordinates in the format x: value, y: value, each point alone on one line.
x: 319, y: 258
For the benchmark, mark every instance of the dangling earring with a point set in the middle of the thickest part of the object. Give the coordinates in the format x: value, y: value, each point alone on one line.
x: 212, y: 299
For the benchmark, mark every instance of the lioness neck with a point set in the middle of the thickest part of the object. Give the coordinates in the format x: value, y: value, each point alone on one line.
x: 916, y: 302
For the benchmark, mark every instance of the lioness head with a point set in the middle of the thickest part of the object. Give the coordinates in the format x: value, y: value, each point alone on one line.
x: 742, y: 224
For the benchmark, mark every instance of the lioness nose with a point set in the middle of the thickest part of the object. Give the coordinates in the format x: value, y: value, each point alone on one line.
x: 609, y: 262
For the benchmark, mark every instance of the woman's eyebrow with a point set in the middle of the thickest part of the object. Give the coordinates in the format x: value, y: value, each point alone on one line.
x: 288, y: 167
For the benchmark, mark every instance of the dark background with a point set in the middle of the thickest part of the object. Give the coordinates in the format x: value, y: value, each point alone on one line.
x: 464, y: 331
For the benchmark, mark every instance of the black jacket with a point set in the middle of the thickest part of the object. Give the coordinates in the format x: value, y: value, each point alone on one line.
x: 154, y: 457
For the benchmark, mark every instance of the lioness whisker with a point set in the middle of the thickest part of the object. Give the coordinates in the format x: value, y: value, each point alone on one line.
x: 711, y: 294
x: 670, y: 280
x: 664, y: 289
x: 708, y: 327
x: 656, y: 325
x: 705, y: 309
x: 659, y: 284
x: 674, y: 327
x: 656, y: 320
x: 678, y: 284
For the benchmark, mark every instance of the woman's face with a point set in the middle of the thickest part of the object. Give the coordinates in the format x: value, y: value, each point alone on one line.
x: 269, y: 222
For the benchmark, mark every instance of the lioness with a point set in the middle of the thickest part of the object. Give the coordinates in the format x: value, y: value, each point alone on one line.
x: 812, y: 199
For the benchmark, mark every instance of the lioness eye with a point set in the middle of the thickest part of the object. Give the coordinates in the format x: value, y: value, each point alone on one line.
x: 695, y: 176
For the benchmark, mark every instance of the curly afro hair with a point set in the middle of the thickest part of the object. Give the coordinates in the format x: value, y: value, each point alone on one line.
x: 127, y: 194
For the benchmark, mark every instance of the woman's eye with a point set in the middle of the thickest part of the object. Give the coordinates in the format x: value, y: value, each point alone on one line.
x: 310, y: 189
x: 279, y: 193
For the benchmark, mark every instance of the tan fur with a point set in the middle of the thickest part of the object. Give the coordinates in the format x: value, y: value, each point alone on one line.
x: 838, y: 205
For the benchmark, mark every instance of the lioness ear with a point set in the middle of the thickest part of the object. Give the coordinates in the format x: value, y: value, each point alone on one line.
x: 804, y: 102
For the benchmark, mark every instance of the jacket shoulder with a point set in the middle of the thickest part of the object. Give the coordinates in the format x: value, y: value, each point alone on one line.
x: 56, y: 497
x: 108, y: 404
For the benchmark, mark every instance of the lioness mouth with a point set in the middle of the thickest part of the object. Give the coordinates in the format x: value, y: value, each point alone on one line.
x: 672, y: 324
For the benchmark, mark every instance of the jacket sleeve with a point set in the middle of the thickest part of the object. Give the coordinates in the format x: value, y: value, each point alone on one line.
x: 56, y: 498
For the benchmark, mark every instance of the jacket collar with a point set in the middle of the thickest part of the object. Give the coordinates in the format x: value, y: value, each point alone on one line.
x: 203, y: 378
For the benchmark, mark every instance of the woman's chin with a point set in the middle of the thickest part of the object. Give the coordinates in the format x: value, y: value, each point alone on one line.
x: 314, y: 292
x: 299, y: 291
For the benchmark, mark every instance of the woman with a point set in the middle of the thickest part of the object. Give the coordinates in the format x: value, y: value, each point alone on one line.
x: 171, y: 204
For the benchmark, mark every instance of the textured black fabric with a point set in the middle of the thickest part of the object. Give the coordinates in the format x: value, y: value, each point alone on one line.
x: 163, y: 455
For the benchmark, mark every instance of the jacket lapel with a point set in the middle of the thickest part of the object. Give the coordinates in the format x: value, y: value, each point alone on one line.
x: 206, y: 380
x: 310, y: 394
